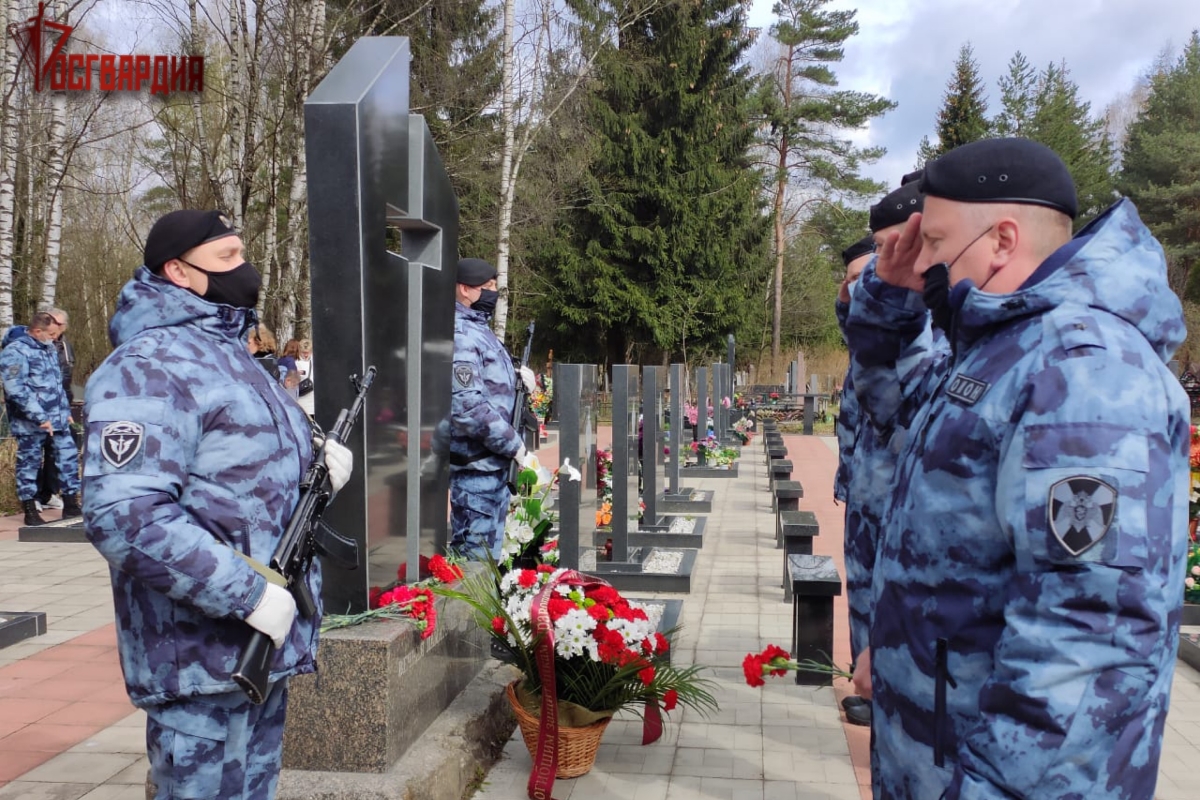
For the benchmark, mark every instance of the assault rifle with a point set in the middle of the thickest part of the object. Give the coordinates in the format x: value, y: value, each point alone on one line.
x: 520, y: 410
x: 305, y: 537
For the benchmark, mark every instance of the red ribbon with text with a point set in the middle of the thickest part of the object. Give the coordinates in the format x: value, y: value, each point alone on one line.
x: 545, y: 760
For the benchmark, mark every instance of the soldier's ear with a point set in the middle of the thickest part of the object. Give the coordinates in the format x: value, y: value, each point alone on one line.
x: 175, y: 272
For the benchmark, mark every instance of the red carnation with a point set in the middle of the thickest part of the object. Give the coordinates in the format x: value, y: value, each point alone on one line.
x: 527, y: 578
x: 443, y: 570
x: 605, y: 595
x: 661, y: 645
x: 498, y: 625
x: 559, y: 606
x: 373, y: 597
x: 646, y: 673
x: 598, y: 613
x: 752, y: 667
x: 670, y: 700
x: 774, y: 653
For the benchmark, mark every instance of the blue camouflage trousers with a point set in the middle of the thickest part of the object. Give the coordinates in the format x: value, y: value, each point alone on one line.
x: 29, y: 461
x: 217, y: 746
x: 478, y: 506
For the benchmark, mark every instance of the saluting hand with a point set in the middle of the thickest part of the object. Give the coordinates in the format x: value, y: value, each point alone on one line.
x: 898, y: 256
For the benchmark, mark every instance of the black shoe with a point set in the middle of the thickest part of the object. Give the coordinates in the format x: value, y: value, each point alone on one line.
x: 32, y: 517
x: 859, y: 715
x: 71, y: 506
x: 854, y: 700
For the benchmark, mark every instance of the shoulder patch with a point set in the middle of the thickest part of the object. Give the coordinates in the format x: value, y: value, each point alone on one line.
x: 967, y: 390
x: 464, y: 374
x: 12, y: 370
x: 120, y: 442
x: 1081, y: 510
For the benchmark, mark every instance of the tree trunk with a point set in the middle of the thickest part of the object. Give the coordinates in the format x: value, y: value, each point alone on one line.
x: 55, y: 175
x: 8, y: 161
x: 230, y: 178
x: 507, y: 177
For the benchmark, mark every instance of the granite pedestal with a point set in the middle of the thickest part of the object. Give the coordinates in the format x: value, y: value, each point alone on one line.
x: 709, y: 472
x: 781, y: 470
x: 686, y: 501
x: 797, y: 529
x: 785, y: 497
x: 629, y: 575
x: 60, y: 531
x: 815, y: 582
x: 380, y: 687
x: 660, y: 535
x: 16, y: 626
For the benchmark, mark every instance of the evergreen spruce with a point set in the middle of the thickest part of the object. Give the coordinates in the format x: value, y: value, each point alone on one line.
x: 1062, y: 122
x: 1018, y: 96
x: 1160, y: 168
x: 663, y: 245
x: 963, y: 115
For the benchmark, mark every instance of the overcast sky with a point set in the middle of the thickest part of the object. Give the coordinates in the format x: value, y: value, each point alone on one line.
x: 905, y: 50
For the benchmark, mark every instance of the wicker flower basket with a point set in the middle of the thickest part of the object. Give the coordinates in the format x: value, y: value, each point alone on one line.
x: 576, y: 746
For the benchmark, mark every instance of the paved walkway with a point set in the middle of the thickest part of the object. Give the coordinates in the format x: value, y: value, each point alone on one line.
x: 67, y: 731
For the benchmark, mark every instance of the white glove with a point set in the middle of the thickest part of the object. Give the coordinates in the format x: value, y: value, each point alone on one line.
x: 340, y: 463
x: 520, y: 456
x: 431, y: 465
x: 528, y: 378
x: 274, y: 614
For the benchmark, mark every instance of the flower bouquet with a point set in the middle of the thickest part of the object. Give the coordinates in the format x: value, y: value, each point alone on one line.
x: 399, y: 600
x: 742, y: 429
x: 774, y: 660
x: 710, y: 452
x: 604, y: 468
x: 584, y: 653
x: 527, y: 527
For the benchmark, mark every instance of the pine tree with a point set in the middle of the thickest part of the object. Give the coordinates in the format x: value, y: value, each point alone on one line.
x: 1018, y: 94
x: 1062, y: 122
x: 664, y: 245
x: 808, y: 120
x: 963, y: 115
x: 1161, y: 164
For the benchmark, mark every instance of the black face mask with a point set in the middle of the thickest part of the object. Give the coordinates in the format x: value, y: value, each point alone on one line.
x: 937, y: 288
x: 486, y: 302
x: 238, y: 287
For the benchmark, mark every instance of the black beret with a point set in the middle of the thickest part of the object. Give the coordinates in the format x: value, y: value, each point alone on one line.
x: 915, y: 175
x: 176, y: 233
x: 897, y: 207
x: 474, y: 272
x: 1002, y: 171
x: 859, y: 249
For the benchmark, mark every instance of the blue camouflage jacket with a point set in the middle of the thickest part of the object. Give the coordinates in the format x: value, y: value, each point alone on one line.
x: 484, y: 389
x: 867, y: 456
x: 33, y: 388
x: 194, y: 454
x: 1027, y: 587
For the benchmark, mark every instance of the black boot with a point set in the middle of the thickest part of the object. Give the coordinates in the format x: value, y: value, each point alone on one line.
x: 32, y: 517
x: 71, y: 506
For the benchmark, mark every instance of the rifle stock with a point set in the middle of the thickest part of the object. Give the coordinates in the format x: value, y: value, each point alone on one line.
x: 305, y: 537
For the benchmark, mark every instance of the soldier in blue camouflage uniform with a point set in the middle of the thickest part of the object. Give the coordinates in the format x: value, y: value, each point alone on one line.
x: 849, y: 421
x: 481, y: 439
x: 1027, y: 586
x: 37, y: 409
x: 194, y: 461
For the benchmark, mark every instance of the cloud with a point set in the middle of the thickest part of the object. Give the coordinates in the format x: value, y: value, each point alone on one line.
x: 906, y: 50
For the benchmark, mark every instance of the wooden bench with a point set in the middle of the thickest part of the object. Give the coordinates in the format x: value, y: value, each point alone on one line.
x: 815, y: 582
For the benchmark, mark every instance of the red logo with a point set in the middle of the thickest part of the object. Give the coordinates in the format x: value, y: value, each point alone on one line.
x: 40, y: 44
